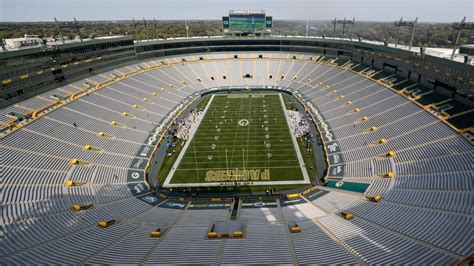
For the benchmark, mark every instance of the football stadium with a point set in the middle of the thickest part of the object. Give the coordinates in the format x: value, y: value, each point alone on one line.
x: 245, y: 148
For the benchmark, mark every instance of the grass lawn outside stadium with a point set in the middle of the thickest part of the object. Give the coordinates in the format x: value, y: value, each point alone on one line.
x: 242, y: 139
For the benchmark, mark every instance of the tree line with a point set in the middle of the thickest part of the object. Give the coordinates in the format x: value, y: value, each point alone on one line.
x: 427, y: 34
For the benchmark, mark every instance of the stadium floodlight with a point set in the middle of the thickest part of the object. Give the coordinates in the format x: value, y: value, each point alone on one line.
x: 307, y: 26
x: 463, y: 25
x: 352, y: 26
x: 146, y: 30
x: 156, y: 29
x: 187, y: 28
x: 70, y: 26
x: 343, y: 22
x: 134, y: 28
x: 409, y: 24
x: 59, y: 30
x: 398, y: 31
x: 350, y: 22
x: 78, y: 29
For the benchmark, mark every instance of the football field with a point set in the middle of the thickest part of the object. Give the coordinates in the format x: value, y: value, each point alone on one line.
x: 242, y: 139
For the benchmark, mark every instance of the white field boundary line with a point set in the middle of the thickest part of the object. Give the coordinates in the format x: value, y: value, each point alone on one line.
x: 280, y: 146
x: 248, y: 182
x: 295, y: 142
x: 239, y: 183
x: 203, y: 157
x: 224, y: 169
x: 193, y: 130
x: 200, y: 153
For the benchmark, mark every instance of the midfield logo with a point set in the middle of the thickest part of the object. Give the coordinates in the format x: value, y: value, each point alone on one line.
x: 243, y: 122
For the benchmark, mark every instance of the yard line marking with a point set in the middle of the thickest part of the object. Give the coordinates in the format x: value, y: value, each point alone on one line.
x: 248, y: 134
x: 236, y: 131
x: 195, y: 155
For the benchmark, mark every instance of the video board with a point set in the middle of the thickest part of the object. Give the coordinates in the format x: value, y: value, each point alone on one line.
x: 246, y: 21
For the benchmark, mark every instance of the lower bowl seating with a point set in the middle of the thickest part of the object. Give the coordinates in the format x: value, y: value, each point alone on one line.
x: 423, y: 213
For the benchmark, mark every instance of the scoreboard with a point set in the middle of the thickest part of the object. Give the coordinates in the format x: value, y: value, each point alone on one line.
x: 247, y: 22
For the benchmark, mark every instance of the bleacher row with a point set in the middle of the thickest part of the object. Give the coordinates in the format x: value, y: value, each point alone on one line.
x: 425, y: 215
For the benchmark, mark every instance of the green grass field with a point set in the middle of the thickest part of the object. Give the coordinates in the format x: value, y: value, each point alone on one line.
x: 244, y: 138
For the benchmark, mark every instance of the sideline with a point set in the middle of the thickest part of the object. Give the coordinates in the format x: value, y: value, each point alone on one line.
x: 302, y: 166
x: 193, y: 130
x: 295, y: 142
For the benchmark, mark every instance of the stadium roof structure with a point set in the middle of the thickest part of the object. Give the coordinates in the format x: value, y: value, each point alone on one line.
x: 444, y: 53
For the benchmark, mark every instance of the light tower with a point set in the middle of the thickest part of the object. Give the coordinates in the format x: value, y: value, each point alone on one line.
x: 187, y: 28
x: 156, y: 29
x: 134, y: 29
x: 307, y: 26
x: 463, y: 25
x: 146, y: 30
x: 59, y: 30
x: 409, y: 24
x: 78, y: 29
x: 343, y: 22
x: 350, y: 22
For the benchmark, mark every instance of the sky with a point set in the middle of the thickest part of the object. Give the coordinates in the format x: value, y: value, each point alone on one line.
x: 362, y: 10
